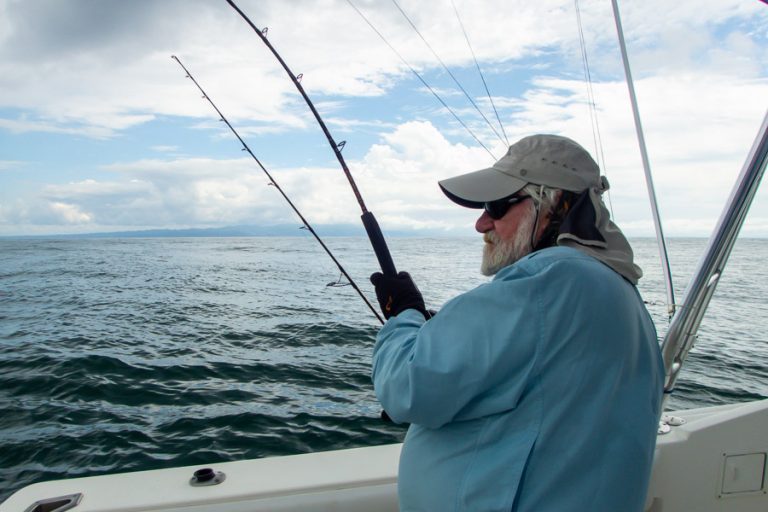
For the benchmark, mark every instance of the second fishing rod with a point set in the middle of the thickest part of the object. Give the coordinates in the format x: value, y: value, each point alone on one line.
x: 274, y: 184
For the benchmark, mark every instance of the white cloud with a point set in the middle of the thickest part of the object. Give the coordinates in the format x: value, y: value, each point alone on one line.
x: 70, y: 213
x: 92, y: 188
x: 25, y: 125
x: 77, y: 73
x: 164, y: 149
x: 167, y: 193
x: 6, y: 165
x: 351, y: 125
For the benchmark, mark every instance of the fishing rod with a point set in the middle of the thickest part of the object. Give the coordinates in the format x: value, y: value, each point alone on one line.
x: 274, y: 184
x: 369, y: 221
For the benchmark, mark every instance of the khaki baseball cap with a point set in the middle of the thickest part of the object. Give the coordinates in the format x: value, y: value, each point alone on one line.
x: 549, y: 160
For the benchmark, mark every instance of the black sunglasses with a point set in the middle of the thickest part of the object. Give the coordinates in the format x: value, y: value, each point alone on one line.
x: 499, y: 208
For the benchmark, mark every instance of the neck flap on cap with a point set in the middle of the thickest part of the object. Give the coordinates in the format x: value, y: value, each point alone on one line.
x: 587, y: 227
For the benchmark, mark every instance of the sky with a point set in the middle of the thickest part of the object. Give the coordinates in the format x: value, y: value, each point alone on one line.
x: 101, y: 131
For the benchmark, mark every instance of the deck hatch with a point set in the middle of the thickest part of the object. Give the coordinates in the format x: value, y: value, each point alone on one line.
x: 743, y: 473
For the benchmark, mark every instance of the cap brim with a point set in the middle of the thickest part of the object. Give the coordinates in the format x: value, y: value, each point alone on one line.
x: 475, y: 188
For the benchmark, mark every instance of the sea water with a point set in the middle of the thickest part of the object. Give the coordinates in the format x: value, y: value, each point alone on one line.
x: 132, y: 354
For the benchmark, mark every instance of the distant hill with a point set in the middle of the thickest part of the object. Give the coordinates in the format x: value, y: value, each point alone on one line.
x: 244, y: 230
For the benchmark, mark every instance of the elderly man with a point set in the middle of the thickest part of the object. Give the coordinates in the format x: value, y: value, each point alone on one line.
x: 541, y: 389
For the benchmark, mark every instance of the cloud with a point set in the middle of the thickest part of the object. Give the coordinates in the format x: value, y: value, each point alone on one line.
x: 70, y: 213
x: 207, y: 192
x: 98, y: 127
x: 165, y: 149
x: 54, y: 214
x: 351, y: 125
x: 6, y: 165
x: 397, y: 178
x: 81, y: 27
x: 400, y: 177
x: 102, y: 66
x: 167, y: 193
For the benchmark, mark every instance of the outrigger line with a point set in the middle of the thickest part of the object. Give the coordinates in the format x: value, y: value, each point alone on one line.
x: 421, y: 79
x: 480, y: 72
x: 447, y: 70
x: 274, y: 184
x: 593, y: 118
x: 369, y: 221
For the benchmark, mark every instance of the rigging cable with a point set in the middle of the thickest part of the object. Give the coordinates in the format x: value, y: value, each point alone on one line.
x: 482, y: 77
x: 646, y: 167
x: 443, y: 103
x: 369, y: 221
x: 274, y: 183
x: 455, y: 80
x: 596, y: 137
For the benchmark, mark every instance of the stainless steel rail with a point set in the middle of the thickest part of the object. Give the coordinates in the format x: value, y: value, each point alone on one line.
x: 646, y: 165
x: 685, y: 324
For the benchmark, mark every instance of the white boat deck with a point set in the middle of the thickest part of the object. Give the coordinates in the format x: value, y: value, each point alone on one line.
x: 715, y: 461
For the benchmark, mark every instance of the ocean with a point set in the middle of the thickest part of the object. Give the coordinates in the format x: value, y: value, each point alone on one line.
x: 133, y: 354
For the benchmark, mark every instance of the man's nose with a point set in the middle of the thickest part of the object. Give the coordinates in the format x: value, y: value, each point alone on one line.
x: 484, y: 223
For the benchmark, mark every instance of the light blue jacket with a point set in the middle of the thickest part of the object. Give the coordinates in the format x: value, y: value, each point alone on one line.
x: 538, y: 391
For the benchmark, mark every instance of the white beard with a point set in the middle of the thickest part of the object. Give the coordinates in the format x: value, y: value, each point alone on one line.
x: 498, y: 253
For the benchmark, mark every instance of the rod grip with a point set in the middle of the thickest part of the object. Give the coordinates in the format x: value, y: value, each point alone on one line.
x: 379, y: 244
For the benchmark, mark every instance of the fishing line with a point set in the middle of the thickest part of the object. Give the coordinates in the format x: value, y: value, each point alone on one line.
x: 369, y: 221
x: 597, y: 139
x: 482, y: 77
x: 274, y: 183
x: 455, y: 80
x: 437, y: 96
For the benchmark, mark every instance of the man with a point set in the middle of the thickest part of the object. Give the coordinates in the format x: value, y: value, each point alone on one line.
x: 540, y: 390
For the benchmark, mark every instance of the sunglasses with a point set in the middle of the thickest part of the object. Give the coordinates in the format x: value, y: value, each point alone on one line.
x: 499, y: 208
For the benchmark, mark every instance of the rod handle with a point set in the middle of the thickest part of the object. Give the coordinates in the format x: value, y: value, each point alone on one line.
x: 385, y: 261
x: 378, y: 243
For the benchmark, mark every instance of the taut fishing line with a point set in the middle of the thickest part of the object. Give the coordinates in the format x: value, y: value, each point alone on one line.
x: 447, y: 70
x: 599, y: 156
x: 421, y: 79
x: 480, y: 72
x: 274, y: 183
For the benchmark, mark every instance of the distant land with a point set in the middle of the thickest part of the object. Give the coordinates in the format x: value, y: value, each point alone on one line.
x: 246, y: 230
x: 325, y: 230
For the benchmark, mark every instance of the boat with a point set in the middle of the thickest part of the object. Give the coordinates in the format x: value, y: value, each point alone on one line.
x: 712, y: 459
x: 707, y: 459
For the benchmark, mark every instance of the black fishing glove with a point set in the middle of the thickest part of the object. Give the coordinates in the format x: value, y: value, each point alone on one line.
x: 398, y: 293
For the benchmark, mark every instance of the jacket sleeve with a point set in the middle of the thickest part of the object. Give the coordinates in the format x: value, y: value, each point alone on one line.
x: 473, y: 359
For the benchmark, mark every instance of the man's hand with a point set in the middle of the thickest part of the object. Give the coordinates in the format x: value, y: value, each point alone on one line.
x: 397, y: 293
